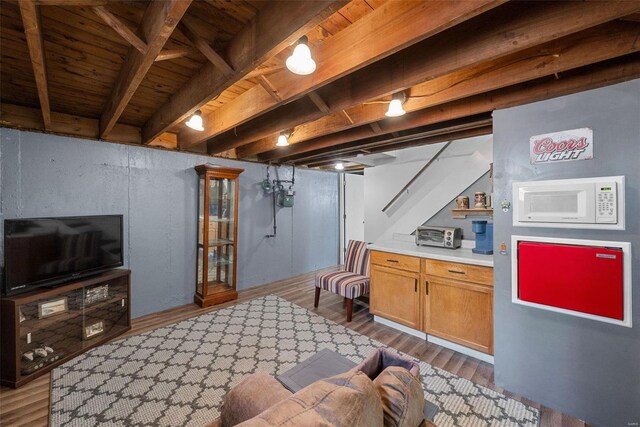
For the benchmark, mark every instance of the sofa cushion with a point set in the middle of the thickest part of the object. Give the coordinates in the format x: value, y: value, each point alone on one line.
x: 253, y: 395
x: 402, y: 397
x: 348, y: 399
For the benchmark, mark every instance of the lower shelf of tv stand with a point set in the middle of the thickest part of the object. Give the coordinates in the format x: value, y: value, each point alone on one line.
x: 69, y: 333
x: 91, y: 344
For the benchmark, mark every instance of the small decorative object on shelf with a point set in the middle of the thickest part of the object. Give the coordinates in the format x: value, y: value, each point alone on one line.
x: 94, y: 329
x: 480, y: 200
x: 46, y: 327
x: 96, y: 294
x: 53, y: 307
x: 462, y: 202
x: 217, y: 234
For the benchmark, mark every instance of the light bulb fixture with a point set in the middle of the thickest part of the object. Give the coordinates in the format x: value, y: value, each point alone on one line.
x: 395, y: 106
x: 195, y: 121
x: 283, y: 139
x: 300, y: 61
x: 339, y: 166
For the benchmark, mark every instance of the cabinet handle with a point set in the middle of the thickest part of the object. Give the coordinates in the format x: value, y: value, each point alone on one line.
x: 416, y: 285
x: 426, y: 287
x: 392, y: 260
x: 456, y: 271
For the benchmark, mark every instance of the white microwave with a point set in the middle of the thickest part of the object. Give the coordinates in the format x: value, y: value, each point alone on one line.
x: 596, y: 203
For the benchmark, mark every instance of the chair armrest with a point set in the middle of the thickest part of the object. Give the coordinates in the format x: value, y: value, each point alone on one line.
x: 253, y: 395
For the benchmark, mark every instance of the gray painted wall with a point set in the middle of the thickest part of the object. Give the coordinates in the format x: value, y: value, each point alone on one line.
x: 582, y: 367
x: 443, y: 216
x: 155, y: 190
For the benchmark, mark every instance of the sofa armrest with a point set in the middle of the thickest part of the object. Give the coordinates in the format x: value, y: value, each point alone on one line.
x: 253, y: 395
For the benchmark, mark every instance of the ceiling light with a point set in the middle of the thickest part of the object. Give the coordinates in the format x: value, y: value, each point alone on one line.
x: 283, y: 138
x: 395, y: 106
x: 195, y: 121
x: 339, y: 166
x: 300, y: 61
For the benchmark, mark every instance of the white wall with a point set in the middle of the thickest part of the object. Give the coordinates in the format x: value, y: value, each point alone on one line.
x: 459, y: 166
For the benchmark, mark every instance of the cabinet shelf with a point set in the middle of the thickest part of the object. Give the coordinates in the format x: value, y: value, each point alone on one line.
x: 463, y: 213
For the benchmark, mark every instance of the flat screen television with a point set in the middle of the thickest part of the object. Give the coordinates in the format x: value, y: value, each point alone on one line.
x: 50, y: 251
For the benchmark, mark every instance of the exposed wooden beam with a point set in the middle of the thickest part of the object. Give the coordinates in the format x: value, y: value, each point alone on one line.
x: 354, y: 47
x: 120, y: 27
x: 375, y: 127
x: 19, y: 117
x: 266, y: 84
x: 633, y: 17
x: 389, y: 146
x: 158, y: 22
x: 246, y: 51
x: 89, y: 3
x: 319, y: 102
x: 590, y: 46
x: 448, y: 52
x: 168, y: 54
x: 33, y: 31
x: 374, y: 144
x: 597, y: 75
x: 205, y: 48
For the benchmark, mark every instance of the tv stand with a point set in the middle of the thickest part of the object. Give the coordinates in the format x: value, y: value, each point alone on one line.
x: 47, y: 327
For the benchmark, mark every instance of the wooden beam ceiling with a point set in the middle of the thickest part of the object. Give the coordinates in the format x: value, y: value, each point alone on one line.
x: 598, y: 75
x: 158, y: 23
x: 587, y: 47
x: 205, y: 48
x: 33, y: 31
x: 121, y: 28
x: 268, y: 33
x: 448, y: 52
x: 598, y: 44
x: 350, y: 49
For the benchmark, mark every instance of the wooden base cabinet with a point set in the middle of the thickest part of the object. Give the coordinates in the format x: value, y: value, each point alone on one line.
x: 397, y: 296
x: 449, y: 300
x: 460, y: 312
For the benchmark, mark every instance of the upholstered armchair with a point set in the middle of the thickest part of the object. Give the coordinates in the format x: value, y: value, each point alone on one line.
x: 353, y: 281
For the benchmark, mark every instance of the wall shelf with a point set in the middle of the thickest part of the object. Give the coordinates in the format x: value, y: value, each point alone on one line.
x: 463, y: 213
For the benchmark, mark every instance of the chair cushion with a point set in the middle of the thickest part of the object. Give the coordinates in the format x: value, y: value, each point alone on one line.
x: 344, y: 283
x: 346, y: 400
x: 357, y: 258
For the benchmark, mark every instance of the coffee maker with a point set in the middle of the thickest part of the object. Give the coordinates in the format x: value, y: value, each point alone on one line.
x: 484, y: 237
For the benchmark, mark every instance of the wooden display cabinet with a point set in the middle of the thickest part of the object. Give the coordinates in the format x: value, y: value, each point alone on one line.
x: 68, y: 320
x: 217, y: 234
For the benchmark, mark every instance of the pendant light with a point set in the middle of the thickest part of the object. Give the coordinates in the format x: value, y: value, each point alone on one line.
x: 395, y: 106
x: 195, y: 121
x: 283, y: 139
x: 300, y: 61
x: 339, y: 166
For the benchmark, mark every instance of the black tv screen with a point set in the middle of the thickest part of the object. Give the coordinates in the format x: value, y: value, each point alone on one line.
x: 49, y: 251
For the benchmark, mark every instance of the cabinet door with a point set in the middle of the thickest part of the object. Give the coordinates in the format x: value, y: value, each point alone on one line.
x: 460, y: 312
x: 395, y: 295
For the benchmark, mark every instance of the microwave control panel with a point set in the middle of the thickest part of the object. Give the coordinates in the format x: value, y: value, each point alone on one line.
x: 606, y: 202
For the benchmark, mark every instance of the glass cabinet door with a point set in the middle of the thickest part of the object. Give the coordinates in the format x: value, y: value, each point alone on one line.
x: 221, y: 234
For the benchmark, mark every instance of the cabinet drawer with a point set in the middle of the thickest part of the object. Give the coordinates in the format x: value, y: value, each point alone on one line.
x: 456, y: 271
x: 402, y: 262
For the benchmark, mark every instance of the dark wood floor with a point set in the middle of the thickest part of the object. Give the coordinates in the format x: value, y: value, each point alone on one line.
x: 29, y: 405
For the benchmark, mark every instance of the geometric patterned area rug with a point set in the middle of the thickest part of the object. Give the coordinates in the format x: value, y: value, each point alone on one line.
x: 178, y: 374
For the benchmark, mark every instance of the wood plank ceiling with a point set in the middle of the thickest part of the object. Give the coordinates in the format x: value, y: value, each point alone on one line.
x: 134, y: 71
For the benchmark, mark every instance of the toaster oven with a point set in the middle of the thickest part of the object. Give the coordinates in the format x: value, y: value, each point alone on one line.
x: 443, y: 237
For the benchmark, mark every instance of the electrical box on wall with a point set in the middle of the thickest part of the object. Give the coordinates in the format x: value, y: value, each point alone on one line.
x: 587, y: 203
x: 584, y: 278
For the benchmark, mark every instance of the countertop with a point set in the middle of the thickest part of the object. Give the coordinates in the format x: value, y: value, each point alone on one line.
x: 462, y: 255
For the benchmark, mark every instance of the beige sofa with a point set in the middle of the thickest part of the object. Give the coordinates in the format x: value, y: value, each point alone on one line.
x: 384, y: 390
